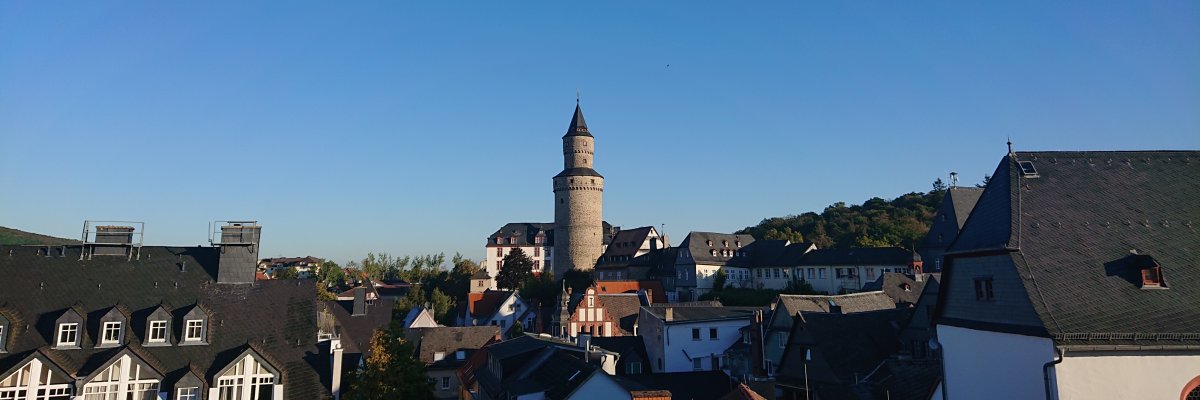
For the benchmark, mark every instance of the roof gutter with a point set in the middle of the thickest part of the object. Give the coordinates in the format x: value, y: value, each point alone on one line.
x: 1058, y: 358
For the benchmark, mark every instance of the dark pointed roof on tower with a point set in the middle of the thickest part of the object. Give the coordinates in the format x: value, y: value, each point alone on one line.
x: 578, y: 126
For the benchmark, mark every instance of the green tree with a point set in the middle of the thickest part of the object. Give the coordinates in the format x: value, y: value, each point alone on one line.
x: 719, y: 280
x: 441, y: 305
x: 286, y: 273
x: 324, y: 294
x: 330, y: 273
x: 542, y: 289
x: 390, y: 371
x: 517, y: 330
x: 939, y: 186
x: 799, y: 286
x: 578, y: 280
x: 984, y: 183
x: 415, y: 297
x: 459, y: 281
x: 515, y: 270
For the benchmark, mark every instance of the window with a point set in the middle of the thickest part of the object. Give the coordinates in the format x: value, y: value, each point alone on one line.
x: 1, y: 338
x: 111, y: 333
x: 782, y: 339
x: 246, y: 379
x: 758, y: 273
x: 983, y: 288
x: 697, y: 364
x: 499, y: 264
x: 712, y: 333
x: 194, y: 331
x: 746, y: 337
x: 775, y: 272
x: 445, y: 382
x: 591, y: 301
x: 537, y: 251
x: 821, y: 273
x: 633, y: 367
x: 439, y: 356
x: 1152, y: 276
x: 187, y: 393
x: 870, y: 273
x: 499, y: 252
x: 68, y: 334
x: 537, y: 264
x: 695, y: 333
x: 460, y: 355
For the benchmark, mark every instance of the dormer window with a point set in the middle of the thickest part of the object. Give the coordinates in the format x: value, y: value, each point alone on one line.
x: 439, y: 356
x: 708, y: 242
x: 111, y: 333
x: 1152, y: 276
x: 3, y: 330
x: 194, y: 331
x: 460, y: 355
x: 158, y: 332
x: 983, y: 288
x: 68, y: 335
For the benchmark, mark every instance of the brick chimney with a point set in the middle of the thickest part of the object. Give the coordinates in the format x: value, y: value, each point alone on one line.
x: 239, y: 252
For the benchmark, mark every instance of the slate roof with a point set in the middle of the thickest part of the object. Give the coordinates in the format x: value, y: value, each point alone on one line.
x: 449, y: 340
x: 356, y: 331
x: 698, y: 245
x: 860, y: 256
x: 578, y: 126
x: 850, y: 303
x: 276, y: 317
x: 694, y: 385
x: 525, y: 232
x: 532, y: 364
x: 624, y: 245
x: 844, y: 346
x: 623, y: 345
x: 622, y: 308
x: 1073, y: 228
x: 893, y: 284
x: 700, y: 314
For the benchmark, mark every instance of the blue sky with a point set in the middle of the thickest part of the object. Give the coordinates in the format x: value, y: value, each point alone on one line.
x: 421, y: 127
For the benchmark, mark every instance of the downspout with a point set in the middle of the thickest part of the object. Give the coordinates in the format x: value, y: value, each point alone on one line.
x: 1058, y: 358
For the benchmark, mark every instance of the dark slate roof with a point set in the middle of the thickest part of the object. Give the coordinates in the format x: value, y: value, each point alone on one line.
x: 695, y: 385
x: 895, y: 284
x: 1073, y: 228
x: 623, y: 345
x: 622, y: 308
x: 860, y: 256
x: 766, y: 252
x: 525, y: 232
x: 844, y: 346
x: 276, y: 317
x: 962, y: 200
x: 683, y: 314
x: 905, y: 379
x: 533, y: 364
x: 625, y: 243
x: 578, y: 126
x: 356, y: 331
x: 849, y: 303
x: 578, y: 172
x: 698, y: 245
x: 449, y: 340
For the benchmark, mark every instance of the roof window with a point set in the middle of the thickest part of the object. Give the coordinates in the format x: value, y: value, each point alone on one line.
x: 1027, y: 169
x: 1148, y: 270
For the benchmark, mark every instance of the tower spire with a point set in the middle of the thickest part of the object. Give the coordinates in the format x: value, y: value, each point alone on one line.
x: 578, y: 126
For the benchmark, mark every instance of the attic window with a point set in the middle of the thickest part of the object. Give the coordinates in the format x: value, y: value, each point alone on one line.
x: 983, y: 288
x: 1027, y: 169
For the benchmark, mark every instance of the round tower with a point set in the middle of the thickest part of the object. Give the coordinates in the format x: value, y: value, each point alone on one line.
x: 578, y: 223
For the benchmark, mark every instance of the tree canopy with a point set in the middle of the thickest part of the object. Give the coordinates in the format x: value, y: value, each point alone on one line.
x: 902, y: 221
x: 390, y: 371
x: 515, y: 270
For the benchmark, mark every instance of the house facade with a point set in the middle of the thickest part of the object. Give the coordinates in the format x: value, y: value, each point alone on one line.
x: 682, y: 339
x: 444, y: 350
x: 702, y: 254
x: 494, y: 307
x: 1075, y: 277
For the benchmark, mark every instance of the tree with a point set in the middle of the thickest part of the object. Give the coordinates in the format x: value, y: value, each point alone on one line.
x: 799, y: 286
x: 517, y: 330
x: 939, y: 186
x: 515, y: 269
x: 389, y: 371
x: 441, y: 305
x: 719, y: 280
x: 415, y: 297
x: 986, y: 179
x: 459, y: 281
x: 330, y: 273
x: 578, y: 280
x: 541, y: 289
x: 286, y: 273
x: 324, y: 294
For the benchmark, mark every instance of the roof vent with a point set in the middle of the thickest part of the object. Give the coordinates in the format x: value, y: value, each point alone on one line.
x: 1027, y: 169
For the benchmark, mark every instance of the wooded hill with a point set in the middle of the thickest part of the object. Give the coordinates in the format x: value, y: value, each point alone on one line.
x: 902, y: 222
x: 16, y: 236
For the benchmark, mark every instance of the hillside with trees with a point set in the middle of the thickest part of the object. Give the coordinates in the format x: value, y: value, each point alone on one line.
x: 902, y: 222
x: 17, y: 236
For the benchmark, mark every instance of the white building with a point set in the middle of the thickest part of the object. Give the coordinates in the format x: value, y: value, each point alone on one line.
x: 836, y: 271
x: 535, y: 239
x: 1077, y: 276
x: 702, y: 254
x: 499, y: 308
x: 690, y: 338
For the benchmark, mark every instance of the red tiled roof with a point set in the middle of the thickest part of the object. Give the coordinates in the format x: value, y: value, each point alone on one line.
x: 655, y: 288
x: 485, y: 304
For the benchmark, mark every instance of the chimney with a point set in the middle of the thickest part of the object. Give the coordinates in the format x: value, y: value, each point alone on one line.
x: 585, y: 341
x: 112, y: 240
x: 670, y: 314
x: 360, y: 301
x: 239, y: 251
x: 335, y: 354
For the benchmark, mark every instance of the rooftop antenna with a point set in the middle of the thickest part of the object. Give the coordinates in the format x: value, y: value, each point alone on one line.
x: 1010, y: 145
x: 953, y: 179
x: 577, y: 96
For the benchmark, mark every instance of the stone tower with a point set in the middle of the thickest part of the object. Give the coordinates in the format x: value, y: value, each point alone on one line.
x: 578, y: 224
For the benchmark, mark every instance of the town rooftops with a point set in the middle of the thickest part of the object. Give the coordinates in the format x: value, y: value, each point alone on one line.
x: 276, y: 318
x: 700, y: 314
x: 653, y: 287
x: 485, y: 304
x: 844, y: 303
x: 449, y: 341
x: 712, y: 247
x: 526, y: 233
x: 1074, y: 223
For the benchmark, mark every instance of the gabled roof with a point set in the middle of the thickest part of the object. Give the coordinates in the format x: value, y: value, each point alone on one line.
x: 701, y: 244
x: 485, y: 304
x: 282, y: 318
x: 900, y: 287
x: 701, y: 314
x: 849, y: 303
x: 1071, y: 227
x: 623, y: 309
x: 844, y: 346
x: 525, y: 232
x: 860, y: 256
x: 626, y: 243
x: 449, y: 340
x: 356, y: 330
x: 655, y: 287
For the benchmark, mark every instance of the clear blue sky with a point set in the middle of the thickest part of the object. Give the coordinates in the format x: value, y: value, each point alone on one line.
x: 419, y: 127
